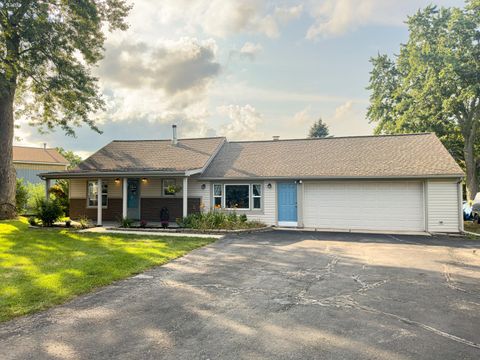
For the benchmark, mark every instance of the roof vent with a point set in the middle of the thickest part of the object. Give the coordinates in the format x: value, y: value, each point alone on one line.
x: 276, y: 138
x: 174, y: 135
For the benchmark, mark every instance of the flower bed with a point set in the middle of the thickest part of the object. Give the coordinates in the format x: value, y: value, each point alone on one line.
x: 219, y: 220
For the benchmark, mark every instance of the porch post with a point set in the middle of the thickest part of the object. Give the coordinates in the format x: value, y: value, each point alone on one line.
x: 99, y: 202
x: 185, y: 196
x: 124, y: 198
x: 47, y: 188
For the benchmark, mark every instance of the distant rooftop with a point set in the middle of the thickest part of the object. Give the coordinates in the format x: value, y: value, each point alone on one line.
x: 38, y: 155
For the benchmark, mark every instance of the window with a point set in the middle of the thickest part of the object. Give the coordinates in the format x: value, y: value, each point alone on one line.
x: 92, y: 193
x: 257, y: 196
x: 237, y: 197
x: 169, y: 187
x: 217, y: 196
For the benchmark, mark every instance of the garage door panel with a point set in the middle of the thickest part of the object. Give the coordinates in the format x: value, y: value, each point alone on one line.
x: 364, y: 205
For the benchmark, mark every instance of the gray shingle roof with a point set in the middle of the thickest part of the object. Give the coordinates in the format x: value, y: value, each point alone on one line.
x: 152, y: 155
x: 366, y: 156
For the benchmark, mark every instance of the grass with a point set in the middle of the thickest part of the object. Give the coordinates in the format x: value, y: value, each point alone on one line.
x: 472, y: 227
x: 40, y: 268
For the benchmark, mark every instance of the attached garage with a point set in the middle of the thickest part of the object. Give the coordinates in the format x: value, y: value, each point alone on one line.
x: 364, y: 205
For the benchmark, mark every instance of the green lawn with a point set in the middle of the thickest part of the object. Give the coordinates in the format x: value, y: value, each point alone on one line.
x: 43, y: 267
x: 472, y: 227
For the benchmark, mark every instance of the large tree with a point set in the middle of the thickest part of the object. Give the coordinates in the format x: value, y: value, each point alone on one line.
x: 433, y: 84
x: 318, y: 129
x: 47, y: 51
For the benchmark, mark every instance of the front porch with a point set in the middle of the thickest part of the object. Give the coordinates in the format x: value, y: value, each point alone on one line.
x: 138, y: 198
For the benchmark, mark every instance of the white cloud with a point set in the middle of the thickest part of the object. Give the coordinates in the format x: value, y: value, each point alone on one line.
x: 219, y: 18
x: 336, y: 17
x: 244, y: 123
x: 250, y: 49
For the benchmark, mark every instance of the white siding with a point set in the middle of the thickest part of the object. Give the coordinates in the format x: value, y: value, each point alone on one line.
x: 364, y: 205
x: 195, y: 190
x: 443, y: 208
x: 268, y: 216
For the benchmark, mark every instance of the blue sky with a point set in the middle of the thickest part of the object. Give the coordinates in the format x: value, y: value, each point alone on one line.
x: 242, y: 69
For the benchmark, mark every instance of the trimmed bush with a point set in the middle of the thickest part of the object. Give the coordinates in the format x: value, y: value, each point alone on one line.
x: 218, y: 220
x: 126, y: 222
x: 48, y: 211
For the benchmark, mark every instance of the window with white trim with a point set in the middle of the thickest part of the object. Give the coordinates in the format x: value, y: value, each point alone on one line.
x: 257, y: 196
x: 217, y: 196
x: 92, y: 193
x: 168, y: 187
x: 237, y: 196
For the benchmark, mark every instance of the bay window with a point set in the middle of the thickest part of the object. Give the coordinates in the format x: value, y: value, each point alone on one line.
x: 257, y: 196
x: 92, y: 193
x: 217, y: 196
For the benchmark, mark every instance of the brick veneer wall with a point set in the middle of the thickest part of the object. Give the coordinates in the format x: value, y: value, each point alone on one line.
x: 149, y: 208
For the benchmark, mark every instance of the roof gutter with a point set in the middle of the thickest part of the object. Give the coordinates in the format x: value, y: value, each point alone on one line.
x: 450, y: 176
x: 109, y: 174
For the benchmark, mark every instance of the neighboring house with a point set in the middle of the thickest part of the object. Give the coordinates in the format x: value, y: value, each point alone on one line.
x: 31, y: 161
x: 381, y: 183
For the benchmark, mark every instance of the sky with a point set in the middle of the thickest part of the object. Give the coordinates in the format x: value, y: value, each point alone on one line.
x: 244, y: 69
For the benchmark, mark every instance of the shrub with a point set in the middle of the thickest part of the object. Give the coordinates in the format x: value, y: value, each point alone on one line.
x: 48, y: 211
x: 126, y: 222
x: 60, y: 191
x: 32, y: 221
x: 218, y: 220
x: 143, y: 223
x: 36, y: 192
x: 84, y: 222
x: 21, y: 196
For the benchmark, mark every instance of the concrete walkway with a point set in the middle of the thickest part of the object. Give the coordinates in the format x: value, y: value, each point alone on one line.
x: 151, y: 233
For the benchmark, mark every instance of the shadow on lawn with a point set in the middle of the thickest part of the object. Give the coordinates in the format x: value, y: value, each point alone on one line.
x: 271, y: 295
x: 43, y: 267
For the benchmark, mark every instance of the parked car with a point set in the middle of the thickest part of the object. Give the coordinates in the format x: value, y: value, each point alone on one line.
x: 475, y: 212
x: 467, y: 211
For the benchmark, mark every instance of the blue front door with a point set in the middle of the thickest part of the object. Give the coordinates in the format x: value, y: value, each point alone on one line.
x: 287, y: 202
x: 133, y: 199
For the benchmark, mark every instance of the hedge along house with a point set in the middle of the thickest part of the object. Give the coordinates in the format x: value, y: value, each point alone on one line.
x: 379, y: 183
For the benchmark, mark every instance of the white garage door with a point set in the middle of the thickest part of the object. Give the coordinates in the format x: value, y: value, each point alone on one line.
x: 364, y: 205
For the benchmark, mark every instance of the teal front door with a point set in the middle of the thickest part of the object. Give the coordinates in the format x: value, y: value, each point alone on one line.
x: 287, y: 204
x: 133, y: 199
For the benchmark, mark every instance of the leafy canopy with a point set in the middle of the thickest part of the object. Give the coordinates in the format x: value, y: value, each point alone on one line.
x: 47, y: 51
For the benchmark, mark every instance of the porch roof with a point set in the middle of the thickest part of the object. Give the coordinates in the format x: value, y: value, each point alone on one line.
x: 146, y: 158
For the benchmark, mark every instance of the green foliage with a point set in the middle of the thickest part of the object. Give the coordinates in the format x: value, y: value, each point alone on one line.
x: 84, y: 222
x: 21, y: 197
x: 173, y: 189
x: 71, y: 157
x: 48, y: 211
x: 433, y: 85
x: 48, y: 49
x: 60, y: 192
x: 318, y: 130
x: 36, y: 192
x: 218, y: 220
x: 126, y: 222
x: 49, y: 267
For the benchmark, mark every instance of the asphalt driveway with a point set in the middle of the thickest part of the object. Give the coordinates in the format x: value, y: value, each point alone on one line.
x: 279, y: 295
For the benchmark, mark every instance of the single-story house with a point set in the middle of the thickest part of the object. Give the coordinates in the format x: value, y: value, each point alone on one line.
x: 29, y: 162
x: 381, y: 183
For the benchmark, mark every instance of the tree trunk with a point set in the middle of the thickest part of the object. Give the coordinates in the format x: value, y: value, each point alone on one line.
x: 7, y: 173
x: 470, y: 165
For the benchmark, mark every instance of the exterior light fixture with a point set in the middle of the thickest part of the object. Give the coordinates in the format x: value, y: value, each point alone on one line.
x: 269, y: 186
x: 144, y: 180
x: 117, y: 181
x: 203, y: 186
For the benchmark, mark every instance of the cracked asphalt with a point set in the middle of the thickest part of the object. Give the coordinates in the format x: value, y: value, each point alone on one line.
x: 278, y: 295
